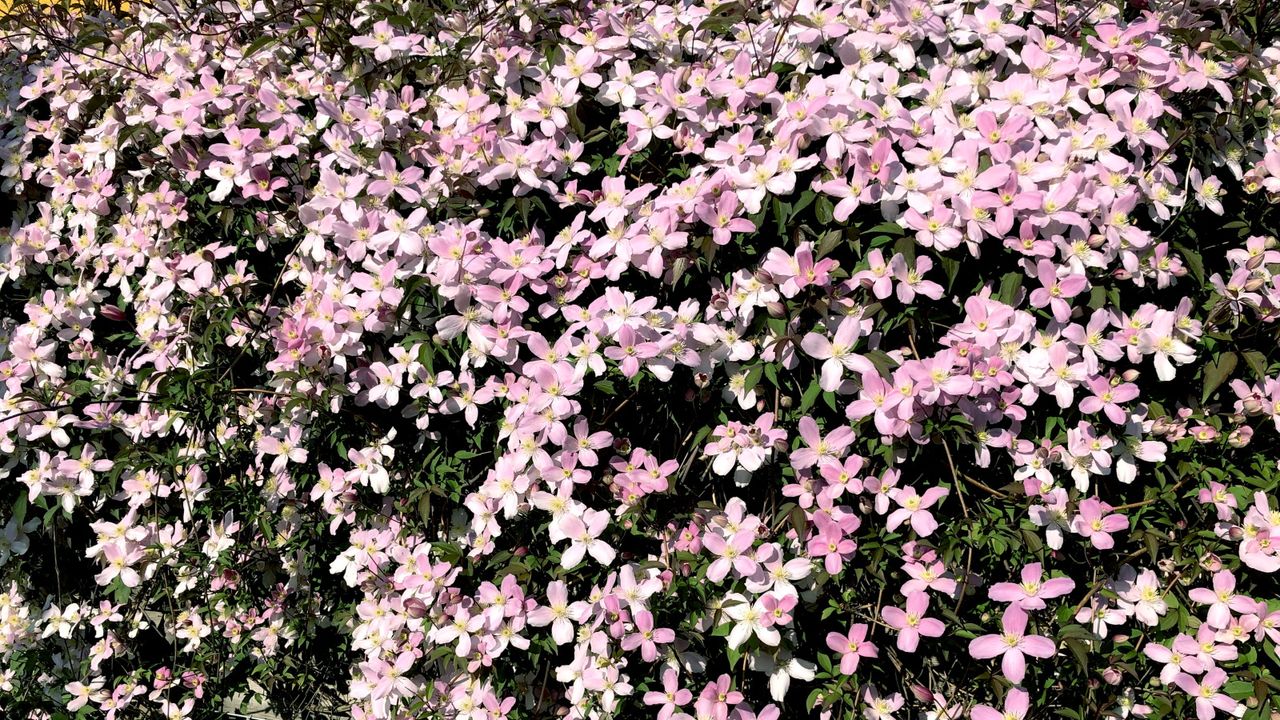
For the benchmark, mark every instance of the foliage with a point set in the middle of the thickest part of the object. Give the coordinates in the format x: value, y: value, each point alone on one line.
x: 722, y: 360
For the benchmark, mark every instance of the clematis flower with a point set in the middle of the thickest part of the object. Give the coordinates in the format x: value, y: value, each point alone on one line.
x: 1032, y: 592
x: 646, y: 636
x: 1093, y: 522
x: 1222, y: 599
x: 671, y: 698
x: 1012, y: 645
x: 558, y: 613
x: 1016, y: 704
x: 1208, y: 698
x: 750, y: 619
x: 837, y: 353
x: 1178, y: 658
x: 911, y: 623
x: 914, y: 509
x: 852, y: 647
x: 583, y: 534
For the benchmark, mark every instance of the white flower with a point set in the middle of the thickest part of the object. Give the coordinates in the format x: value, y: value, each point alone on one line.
x: 750, y: 620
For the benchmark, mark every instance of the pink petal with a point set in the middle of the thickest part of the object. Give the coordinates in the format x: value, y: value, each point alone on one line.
x: 987, y: 646
x: 1014, y: 666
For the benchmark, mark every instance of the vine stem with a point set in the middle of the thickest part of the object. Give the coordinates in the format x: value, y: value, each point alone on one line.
x: 1149, y: 501
x: 1098, y: 585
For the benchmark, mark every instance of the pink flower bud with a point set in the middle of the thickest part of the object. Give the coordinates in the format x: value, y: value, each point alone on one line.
x: 922, y: 693
x: 415, y: 607
x: 111, y: 312
x: 1240, y: 437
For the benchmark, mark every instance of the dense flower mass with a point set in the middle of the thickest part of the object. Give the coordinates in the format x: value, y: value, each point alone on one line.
x: 721, y: 360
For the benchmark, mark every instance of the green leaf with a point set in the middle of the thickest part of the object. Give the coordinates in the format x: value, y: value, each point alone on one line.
x: 888, y: 228
x: 1257, y: 363
x: 1079, y: 651
x: 1239, y: 689
x: 771, y: 373
x: 1194, y: 262
x: 824, y: 210
x: 1216, y: 372
x: 1010, y: 284
x: 805, y: 200
x: 809, y: 397
x: 20, y: 509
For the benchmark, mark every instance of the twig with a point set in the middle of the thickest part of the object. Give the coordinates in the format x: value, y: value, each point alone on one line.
x: 1098, y: 585
x: 1148, y: 501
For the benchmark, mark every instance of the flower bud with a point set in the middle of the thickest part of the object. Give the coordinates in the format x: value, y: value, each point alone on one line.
x: 1240, y: 437
x: 1112, y: 676
x: 922, y: 693
x: 1130, y: 375
x: 111, y: 312
x: 1254, y: 262
x: 1252, y: 405
x: 1160, y: 426
x: 1254, y: 284
x: 415, y: 608
x: 1211, y: 562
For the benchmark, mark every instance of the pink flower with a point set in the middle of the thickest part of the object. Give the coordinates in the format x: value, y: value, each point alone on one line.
x: 584, y: 536
x: 646, y: 636
x: 911, y: 623
x: 914, y: 509
x: 819, y: 448
x: 1205, y: 692
x: 852, y: 647
x: 1056, y: 290
x: 1093, y: 522
x: 1107, y: 398
x: 671, y: 698
x: 1222, y: 599
x: 733, y: 554
x: 557, y: 613
x: 838, y: 352
x: 1031, y: 593
x: 1013, y: 644
x: 1016, y: 704
x: 1181, y: 658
